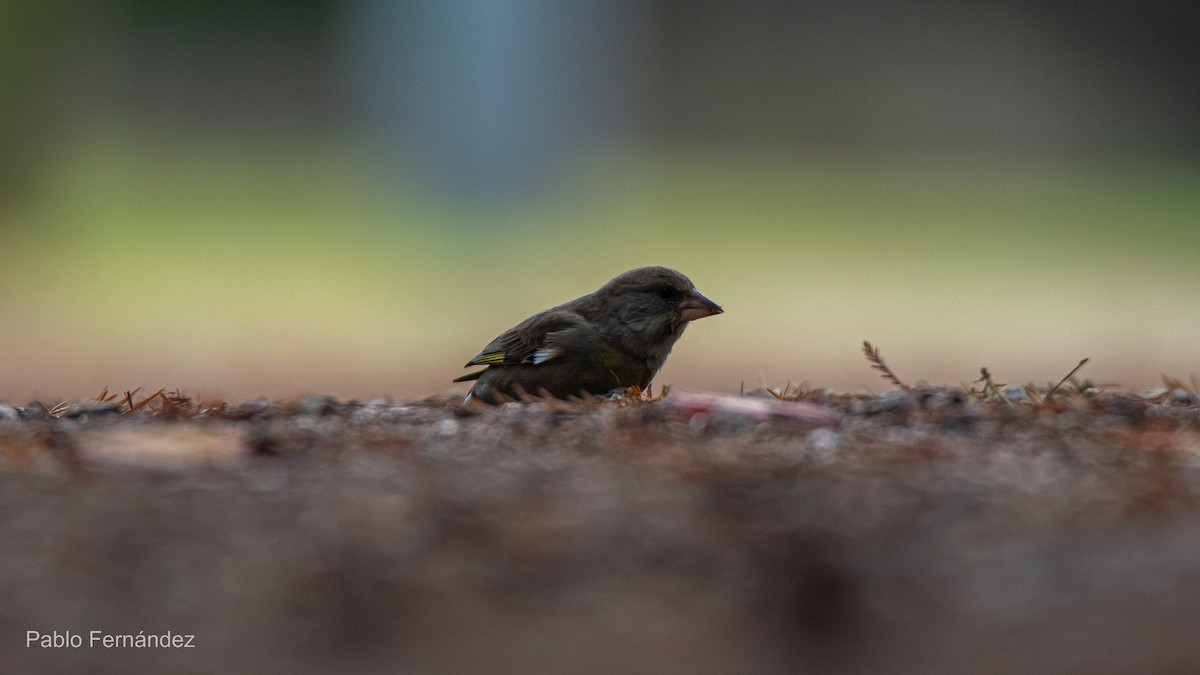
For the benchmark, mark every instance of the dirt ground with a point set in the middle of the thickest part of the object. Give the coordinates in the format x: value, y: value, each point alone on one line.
x: 927, y: 531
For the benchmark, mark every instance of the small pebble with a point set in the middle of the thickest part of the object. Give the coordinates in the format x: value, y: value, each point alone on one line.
x: 1182, y: 396
x: 317, y: 404
x: 447, y: 428
x: 1017, y: 394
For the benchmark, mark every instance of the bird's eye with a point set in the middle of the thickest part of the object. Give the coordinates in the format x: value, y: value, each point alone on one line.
x: 669, y: 293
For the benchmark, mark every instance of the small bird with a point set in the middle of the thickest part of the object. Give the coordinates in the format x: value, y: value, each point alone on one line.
x: 615, y: 338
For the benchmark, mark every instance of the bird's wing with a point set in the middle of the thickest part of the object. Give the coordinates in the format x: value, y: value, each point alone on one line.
x: 536, y: 340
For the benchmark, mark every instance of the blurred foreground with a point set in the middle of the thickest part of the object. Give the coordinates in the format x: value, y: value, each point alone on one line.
x: 937, y: 531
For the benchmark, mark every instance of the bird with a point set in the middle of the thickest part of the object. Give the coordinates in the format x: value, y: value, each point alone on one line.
x: 615, y: 338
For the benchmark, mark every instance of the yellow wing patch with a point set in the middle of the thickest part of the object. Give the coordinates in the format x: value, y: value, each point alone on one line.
x: 489, y: 358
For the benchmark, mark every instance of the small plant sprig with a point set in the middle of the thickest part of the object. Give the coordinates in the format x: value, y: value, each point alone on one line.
x: 876, y: 361
x: 991, y: 390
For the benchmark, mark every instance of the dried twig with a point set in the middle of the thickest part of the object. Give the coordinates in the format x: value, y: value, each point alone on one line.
x: 142, y: 403
x: 781, y: 394
x: 1060, y: 382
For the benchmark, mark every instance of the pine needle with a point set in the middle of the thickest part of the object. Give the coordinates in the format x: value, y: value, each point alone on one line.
x: 1060, y: 382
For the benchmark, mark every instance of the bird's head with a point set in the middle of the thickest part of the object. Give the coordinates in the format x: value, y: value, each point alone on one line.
x: 655, y: 300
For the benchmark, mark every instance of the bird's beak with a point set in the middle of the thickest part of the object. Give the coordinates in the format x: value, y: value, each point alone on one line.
x: 696, y: 306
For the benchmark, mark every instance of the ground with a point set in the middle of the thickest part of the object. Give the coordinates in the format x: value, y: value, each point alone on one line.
x: 927, y: 530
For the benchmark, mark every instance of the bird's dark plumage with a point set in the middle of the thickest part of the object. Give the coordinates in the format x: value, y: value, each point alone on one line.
x: 614, y: 338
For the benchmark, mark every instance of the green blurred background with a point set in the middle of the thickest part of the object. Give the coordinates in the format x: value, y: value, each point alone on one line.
x: 271, y: 198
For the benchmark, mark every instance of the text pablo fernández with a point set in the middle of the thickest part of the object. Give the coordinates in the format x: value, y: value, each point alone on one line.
x: 101, y: 640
